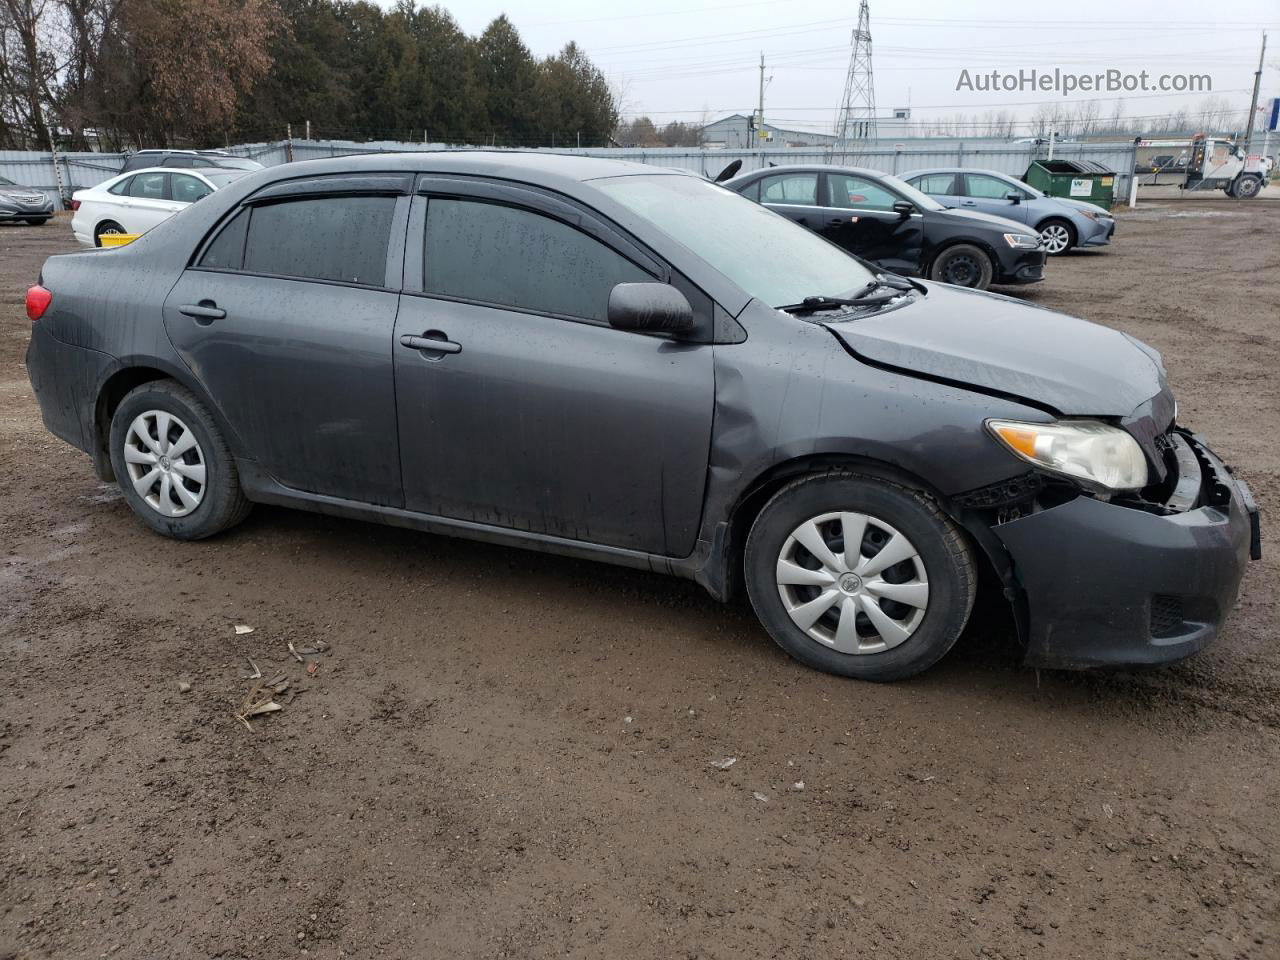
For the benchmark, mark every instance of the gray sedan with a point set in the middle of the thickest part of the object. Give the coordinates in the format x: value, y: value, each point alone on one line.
x: 24, y: 203
x: 627, y: 363
x: 1061, y: 222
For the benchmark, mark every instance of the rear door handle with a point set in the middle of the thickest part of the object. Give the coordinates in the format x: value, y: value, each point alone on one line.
x: 204, y: 310
x: 968, y: 203
x: 433, y: 341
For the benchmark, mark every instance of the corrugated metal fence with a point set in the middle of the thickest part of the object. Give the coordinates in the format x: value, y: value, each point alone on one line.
x: 36, y: 169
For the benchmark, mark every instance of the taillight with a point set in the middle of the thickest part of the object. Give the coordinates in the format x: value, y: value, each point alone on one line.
x: 38, y: 300
x: 75, y: 204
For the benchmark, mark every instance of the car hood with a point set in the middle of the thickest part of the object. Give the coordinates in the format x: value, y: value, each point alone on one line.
x: 20, y: 191
x: 989, y: 220
x: 1002, y: 346
x: 1083, y: 205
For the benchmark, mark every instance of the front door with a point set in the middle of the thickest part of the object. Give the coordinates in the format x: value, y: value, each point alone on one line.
x: 859, y: 216
x: 533, y: 413
x: 989, y: 194
x: 287, y: 321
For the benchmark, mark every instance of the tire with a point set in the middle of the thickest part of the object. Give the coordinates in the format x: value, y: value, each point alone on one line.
x: 940, y: 572
x: 1246, y: 188
x: 37, y: 221
x: 1059, y: 236
x: 965, y: 265
x: 106, y: 226
x: 209, y: 507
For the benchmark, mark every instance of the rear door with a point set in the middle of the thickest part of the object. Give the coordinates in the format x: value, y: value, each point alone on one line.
x: 286, y: 318
x: 535, y: 414
x: 859, y: 216
x: 146, y: 202
x: 990, y: 195
x: 794, y: 195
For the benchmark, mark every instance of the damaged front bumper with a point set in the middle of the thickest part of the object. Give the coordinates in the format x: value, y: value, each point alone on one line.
x: 1116, y: 583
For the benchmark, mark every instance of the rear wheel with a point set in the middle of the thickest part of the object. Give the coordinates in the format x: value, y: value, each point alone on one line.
x: 173, y: 463
x: 859, y: 577
x: 963, y: 265
x: 1058, y: 236
x: 105, y: 228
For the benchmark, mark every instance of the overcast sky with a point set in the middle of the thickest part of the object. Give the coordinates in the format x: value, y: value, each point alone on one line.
x: 673, y: 62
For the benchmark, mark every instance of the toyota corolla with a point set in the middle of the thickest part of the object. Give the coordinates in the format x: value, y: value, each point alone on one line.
x: 610, y: 361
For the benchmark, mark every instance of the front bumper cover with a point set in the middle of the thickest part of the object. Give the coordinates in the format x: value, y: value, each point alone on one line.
x: 1109, y: 584
x: 1102, y: 232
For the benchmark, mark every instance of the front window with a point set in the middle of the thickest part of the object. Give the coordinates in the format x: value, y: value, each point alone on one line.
x: 858, y: 193
x: 187, y: 189
x: 489, y: 253
x: 769, y: 257
x: 983, y: 187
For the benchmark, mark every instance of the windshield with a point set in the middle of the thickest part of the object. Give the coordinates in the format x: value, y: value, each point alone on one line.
x: 220, y: 180
x: 764, y: 253
x: 921, y: 200
x: 238, y: 163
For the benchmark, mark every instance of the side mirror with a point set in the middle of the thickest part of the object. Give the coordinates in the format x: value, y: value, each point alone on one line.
x: 1013, y: 196
x: 649, y: 308
x: 904, y: 208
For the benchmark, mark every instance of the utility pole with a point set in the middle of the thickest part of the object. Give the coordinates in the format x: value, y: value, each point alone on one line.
x: 1253, y: 106
x: 760, y: 109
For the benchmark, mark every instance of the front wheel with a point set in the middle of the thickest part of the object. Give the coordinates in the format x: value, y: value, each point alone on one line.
x: 173, y: 464
x: 963, y: 265
x: 37, y: 221
x: 1058, y: 237
x: 859, y: 577
x: 1246, y: 188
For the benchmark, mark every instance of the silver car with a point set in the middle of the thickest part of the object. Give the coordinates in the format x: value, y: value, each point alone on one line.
x: 24, y: 203
x: 1061, y: 222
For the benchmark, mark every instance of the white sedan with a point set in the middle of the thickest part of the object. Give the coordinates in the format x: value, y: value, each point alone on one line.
x: 135, y: 202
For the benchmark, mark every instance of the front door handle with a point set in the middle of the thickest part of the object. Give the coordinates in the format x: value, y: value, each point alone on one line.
x: 433, y: 341
x: 205, y: 310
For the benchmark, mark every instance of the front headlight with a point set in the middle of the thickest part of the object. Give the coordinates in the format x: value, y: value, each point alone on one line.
x: 1095, y: 453
x: 1022, y: 241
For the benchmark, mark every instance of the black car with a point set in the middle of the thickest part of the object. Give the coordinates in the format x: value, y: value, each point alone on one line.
x: 882, y: 219
x: 187, y: 159
x: 607, y: 360
x: 26, y: 204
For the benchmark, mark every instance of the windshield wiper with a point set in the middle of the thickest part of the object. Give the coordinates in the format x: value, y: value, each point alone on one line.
x: 892, y: 289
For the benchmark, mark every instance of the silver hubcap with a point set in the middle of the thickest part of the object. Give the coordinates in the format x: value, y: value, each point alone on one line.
x: 852, y: 582
x: 165, y: 463
x: 1055, y: 238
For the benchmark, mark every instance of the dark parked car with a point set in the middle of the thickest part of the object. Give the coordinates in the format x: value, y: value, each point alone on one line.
x: 606, y: 360
x: 882, y: 219
x: 24, y: 203
x: 187, y: 159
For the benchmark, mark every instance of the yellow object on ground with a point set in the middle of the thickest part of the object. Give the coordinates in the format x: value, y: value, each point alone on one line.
x: 118, y: 239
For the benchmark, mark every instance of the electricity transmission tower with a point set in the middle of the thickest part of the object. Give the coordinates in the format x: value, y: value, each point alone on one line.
x: 857, y: 121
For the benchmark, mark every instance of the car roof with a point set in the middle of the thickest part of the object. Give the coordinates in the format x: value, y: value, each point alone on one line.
x: 546, y: 169
x: 927, y: 170
x: 809, y: 168
x: 221, y: 171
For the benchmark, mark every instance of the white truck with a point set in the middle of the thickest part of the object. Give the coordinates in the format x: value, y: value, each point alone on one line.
x: 1216, y: 163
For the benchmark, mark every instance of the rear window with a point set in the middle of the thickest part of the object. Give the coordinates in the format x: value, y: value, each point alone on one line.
x: 149, y: 186
x: 328, y: 238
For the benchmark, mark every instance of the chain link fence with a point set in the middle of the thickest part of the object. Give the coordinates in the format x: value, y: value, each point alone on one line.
x: 76, y: 170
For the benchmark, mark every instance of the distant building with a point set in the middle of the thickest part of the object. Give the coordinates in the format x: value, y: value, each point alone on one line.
x: 734, y: 133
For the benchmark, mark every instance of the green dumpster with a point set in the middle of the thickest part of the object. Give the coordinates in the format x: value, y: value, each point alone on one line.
x: 1085, y: 180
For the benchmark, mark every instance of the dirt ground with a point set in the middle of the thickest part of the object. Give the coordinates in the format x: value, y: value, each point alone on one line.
x: 510, y: 755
